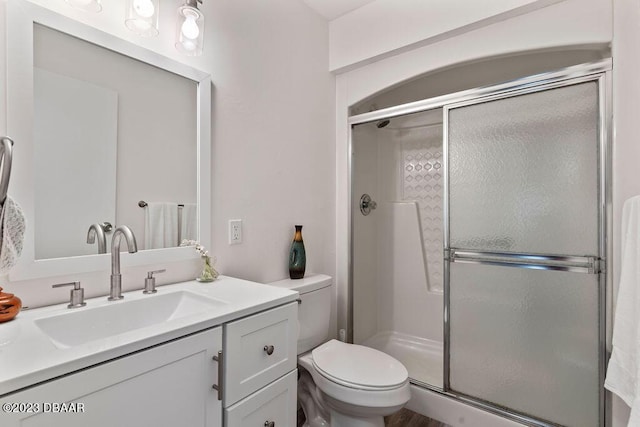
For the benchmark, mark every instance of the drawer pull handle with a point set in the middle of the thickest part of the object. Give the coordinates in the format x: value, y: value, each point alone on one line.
x: 269, y: 424
x: 218, y: 387
x: 269, y: 350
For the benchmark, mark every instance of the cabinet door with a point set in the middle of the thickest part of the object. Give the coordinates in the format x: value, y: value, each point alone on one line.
x: 166, y: 385
x: 259, y: 349
x: 274, y: 405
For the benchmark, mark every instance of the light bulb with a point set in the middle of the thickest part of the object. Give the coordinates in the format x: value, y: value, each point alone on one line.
x: 86, y: 5
x: 189, y: 28
x: 141, y: 25
x: 142, y: 17
x: 189, y: 45
x: 144, y: 8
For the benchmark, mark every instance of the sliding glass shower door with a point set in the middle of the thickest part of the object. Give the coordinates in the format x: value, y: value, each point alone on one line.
x: 523, y: 250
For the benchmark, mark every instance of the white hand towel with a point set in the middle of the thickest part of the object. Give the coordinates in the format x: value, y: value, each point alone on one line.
x: 161, y: 225
x: 12, y: 226
x: 623, y: 373
x: 189, y: 225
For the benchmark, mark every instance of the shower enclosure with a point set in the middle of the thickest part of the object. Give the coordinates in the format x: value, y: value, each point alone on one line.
x: 478, y: 243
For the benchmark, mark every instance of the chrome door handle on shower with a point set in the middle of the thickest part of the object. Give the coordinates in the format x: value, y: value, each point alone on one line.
x: 367, y: 205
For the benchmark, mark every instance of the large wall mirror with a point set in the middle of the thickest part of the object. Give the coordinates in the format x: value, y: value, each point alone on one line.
x: 107, y: 133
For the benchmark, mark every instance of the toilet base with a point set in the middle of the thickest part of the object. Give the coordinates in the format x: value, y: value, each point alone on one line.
x: 310, y: 400
x: 346, y: 415
x: 343, y: 420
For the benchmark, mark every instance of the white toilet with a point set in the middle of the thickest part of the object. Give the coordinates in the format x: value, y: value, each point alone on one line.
x: 341, y: 385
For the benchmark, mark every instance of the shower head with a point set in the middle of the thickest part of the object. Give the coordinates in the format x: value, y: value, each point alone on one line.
x: 383, y: 123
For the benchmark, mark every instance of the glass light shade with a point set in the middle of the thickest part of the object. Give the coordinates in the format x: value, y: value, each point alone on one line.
x: 189, y: 31
x: 142, y: 17
x: 86, y: 5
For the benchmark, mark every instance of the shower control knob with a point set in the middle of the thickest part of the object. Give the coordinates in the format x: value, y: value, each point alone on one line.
x: 367, y: 205
x: 269, y: 349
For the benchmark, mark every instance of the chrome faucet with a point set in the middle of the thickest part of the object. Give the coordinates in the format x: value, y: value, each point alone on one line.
x: 116, y: 279
x: 96, y: 230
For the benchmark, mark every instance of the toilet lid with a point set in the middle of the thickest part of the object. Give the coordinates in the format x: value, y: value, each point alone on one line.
x: 358, y: 366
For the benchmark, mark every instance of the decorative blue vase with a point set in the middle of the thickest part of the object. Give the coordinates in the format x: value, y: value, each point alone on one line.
x: 297, y: 256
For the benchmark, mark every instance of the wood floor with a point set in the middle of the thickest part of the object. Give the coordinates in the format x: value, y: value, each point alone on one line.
x: 402, y: 418
x: 407, y: 418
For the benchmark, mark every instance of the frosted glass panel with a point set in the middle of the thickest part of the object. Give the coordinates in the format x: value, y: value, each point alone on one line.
x: 522, y: 164
x: 526, y: 340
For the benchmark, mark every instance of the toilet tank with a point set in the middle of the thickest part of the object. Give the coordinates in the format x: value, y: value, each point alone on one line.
x: 314, y: 309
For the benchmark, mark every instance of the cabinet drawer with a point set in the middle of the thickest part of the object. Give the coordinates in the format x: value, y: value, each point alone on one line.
x: 275, y: 403
x: 258, y: 350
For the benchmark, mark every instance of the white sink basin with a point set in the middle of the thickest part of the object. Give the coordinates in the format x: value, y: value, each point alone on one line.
x: 82, y: 325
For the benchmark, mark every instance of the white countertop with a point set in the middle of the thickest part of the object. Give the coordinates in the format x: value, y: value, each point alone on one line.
x: 28, y: 356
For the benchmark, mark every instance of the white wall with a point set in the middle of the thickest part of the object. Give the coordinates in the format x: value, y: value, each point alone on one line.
x: 385, y: 27
x: 273, y: 152
x: 272, y: 119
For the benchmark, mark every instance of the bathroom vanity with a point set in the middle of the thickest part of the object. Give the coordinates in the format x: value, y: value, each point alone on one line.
x: 194, y: 354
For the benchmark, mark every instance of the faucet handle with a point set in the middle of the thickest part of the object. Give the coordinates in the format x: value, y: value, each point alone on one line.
x: 150, y: 282
x: 76, y: 295
x: 151, y: 273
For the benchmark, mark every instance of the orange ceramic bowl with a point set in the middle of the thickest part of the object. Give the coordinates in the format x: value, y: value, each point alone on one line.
x: 9, y: 306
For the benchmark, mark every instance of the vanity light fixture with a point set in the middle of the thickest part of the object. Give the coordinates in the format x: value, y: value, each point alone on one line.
x: 142, y: 17
x: 86, y: 5
x: 190, y: 29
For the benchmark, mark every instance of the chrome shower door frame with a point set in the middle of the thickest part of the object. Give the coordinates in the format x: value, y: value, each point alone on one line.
x: 580, y: 264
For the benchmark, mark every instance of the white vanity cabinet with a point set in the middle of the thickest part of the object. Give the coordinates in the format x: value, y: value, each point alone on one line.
x: 260, y: 362
x: 166, y: 385
x: 229, y: 360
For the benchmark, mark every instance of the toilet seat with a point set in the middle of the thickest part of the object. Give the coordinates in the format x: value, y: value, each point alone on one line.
x: 358, y: 367
x: 351, y: 394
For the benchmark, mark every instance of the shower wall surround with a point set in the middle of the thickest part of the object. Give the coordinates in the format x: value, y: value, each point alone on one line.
x: 423, y: 182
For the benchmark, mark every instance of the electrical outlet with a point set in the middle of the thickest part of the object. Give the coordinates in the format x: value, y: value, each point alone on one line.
x: 235, y: 231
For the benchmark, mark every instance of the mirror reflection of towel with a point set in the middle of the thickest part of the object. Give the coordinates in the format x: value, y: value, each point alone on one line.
x: 161, y: 225
x: 189, y: 225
